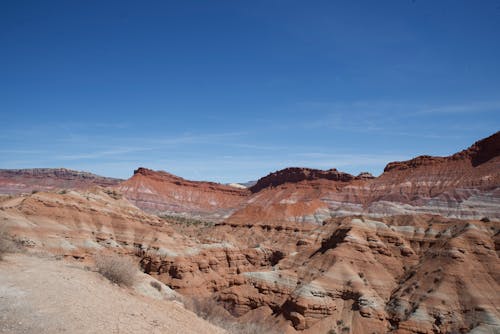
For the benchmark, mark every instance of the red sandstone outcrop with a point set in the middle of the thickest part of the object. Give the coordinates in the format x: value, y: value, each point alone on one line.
x: 76, y: 223
x: 464, y: 185
x: 480, y: 152
x: 402, y: 274
x: 164, y: 193
x: 15, y: 181
x: 296, y: 174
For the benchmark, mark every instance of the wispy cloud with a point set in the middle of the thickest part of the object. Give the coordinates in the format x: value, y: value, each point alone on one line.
x: 392, y: 118
x: 20, y: 151
x: 99, y: 154
x: 467, y: 108
x: 149, y: 144
x: 207, y: 138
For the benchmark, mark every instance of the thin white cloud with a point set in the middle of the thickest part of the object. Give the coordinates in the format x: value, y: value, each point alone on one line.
x: 389, y: 118
x: 99, y: 154
x: 467, y: 108
x: 14, y: 151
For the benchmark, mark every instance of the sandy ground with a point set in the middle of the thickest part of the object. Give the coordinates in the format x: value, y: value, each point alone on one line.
x: 45, y: 295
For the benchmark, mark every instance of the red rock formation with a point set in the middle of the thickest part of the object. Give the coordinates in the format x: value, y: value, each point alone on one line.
x: 464, y: 185
x: 14, y: 181
x: 400, y: 274
x: 164, y: 193
x: 81, y: 222
x: 296, y: 174
x: 480, y: 152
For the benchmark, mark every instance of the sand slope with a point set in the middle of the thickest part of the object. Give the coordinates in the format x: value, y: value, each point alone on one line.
x: 43, y: 295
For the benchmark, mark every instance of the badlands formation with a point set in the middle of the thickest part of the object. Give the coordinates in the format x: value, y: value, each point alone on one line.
x: 464, y: 185
x: 414, y: 250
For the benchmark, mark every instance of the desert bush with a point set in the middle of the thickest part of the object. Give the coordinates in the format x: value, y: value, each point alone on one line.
x: 206, y: 308
x: 7, y: 244
x: 186, y: 221
x: 116, y: 268
x: 247, y: 328
x: 155, y: 285
x: 113, y: 194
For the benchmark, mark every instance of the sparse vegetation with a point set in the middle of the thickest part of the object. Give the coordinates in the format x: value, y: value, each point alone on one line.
x: 186, y: 221
x: 113, y: 194
x: 116, y: 269
x: 155, y: 285
x: 7, y: 245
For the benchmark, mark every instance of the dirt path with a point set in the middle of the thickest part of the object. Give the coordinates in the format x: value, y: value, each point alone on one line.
x: 41, y: 295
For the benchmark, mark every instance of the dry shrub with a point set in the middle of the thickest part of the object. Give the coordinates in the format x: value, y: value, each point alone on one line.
x: 118, y: 269
x: 113, y: 194
x: 7, y: 245
x: 155, y: 285
x: 248, y: 328
x: 211, y: 311
x: 206, y: 308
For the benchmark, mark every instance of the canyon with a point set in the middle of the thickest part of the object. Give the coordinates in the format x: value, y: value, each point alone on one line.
x: 414, y: 250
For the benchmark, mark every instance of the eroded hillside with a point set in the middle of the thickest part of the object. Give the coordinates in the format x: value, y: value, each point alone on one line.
x: 403, y: 274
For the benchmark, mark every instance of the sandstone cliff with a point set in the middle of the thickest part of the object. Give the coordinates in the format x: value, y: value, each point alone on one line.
x: 164, y: 193
x: 464, y: 185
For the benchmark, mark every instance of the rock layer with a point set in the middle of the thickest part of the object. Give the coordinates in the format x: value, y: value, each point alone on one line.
x: 399, y: 274
x: 164, y: 193
x: 297, y: 174
x: 464, y: 185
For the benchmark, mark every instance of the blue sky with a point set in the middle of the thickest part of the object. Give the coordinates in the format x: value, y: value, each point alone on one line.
x: 232, y: 90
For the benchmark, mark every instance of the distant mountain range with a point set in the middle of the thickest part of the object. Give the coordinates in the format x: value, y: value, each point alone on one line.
x: 463, y: 185
x: 414, y: 250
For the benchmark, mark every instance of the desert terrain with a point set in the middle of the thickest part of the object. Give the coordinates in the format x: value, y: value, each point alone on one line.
x: 414, y: 250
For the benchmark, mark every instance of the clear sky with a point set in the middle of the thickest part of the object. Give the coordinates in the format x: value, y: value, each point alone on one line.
x: 232, y: 90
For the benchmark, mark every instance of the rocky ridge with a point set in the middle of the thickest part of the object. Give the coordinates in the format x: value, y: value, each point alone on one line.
x: 464, y: 185
x: 163, y: 193
x: 15, y: 181
x: 297, y: 174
